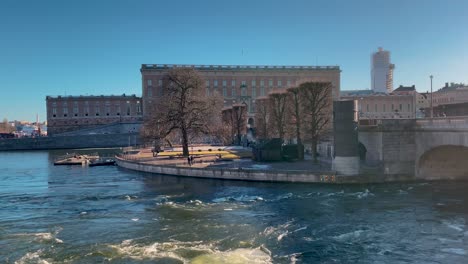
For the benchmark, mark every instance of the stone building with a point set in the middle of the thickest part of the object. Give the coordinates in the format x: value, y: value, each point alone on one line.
x: 70, y: 113
x: 452, y: 93
x: 240, y: 84
x: 384, y: 106
x: 422, y: 100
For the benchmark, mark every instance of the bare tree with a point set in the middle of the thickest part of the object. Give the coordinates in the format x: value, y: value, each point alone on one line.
x: 228, y: 125
x: 262, y: 116
x: 278, y: 110
x: 235, y: 120
x: 295, y: 111
x: 182, y: 108
x: 239, y: 116
x: 316, y: 102
x: 214, y: 125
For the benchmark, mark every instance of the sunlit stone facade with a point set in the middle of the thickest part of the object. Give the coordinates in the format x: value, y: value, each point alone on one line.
x: 69, y: 113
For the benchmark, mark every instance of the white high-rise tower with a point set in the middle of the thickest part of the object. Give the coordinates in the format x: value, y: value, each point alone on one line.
x: 381, y: 72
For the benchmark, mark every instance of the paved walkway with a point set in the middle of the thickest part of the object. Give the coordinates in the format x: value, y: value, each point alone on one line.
x: 212, y: 161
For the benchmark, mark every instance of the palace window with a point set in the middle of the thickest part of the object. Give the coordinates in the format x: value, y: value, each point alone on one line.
x: 215, y: 83
x: 254, y: 83
x: 224, y: 83
x: 149, y: 82
x: 138, y: 108
x: 233, y: 83
x: 279, y: 83
x: 270, y: 82
x: 262, y: 83
x: 243, y: 90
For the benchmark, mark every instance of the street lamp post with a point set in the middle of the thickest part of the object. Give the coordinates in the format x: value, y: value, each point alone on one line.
x: 432, y: 110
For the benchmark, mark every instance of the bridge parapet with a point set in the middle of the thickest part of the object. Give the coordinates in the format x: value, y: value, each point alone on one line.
x: 460, y: 122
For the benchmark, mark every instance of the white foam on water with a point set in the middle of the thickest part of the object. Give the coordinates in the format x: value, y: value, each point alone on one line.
x: 43, y: 236
x: 299, y: 229
x: 135, y: 219
x: 335, y: 193
x: 130, y: 198
x: 456, y: 251
x: 32, y: 257
x: 242, y: 198
x: 448, y: 240
x: 366, y: 193
x: 236, y: 256
x: 195, y: 202
x: 455, y: 226
x: 282, y: 235
x: 349, y: 236
x: 402, y: 192
x: 293, y: 258
x: 156, y: 250
x: 184, y: 252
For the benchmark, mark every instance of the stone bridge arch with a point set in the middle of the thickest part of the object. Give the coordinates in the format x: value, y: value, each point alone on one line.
x: 443, y: 162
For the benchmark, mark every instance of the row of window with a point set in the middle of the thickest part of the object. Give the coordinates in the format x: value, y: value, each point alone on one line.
x: 279, y: 83
x: 409, y: 109
x: 440, y: 100
x: 86, y: 103
x: 96, y: 109
x: 243, y: 91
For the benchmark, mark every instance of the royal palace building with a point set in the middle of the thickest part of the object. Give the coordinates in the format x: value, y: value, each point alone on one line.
x: 71, y: 113
x: 240, y: 84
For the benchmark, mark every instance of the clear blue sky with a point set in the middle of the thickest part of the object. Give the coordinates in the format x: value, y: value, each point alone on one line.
x: 97, y: 47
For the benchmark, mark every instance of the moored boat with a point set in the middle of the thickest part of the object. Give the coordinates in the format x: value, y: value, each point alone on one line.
x: 102, y: 162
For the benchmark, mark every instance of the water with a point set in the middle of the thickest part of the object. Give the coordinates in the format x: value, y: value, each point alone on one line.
x: 106, y: 214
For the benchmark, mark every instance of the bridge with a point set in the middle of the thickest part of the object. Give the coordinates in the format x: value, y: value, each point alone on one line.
x: 423, y: 148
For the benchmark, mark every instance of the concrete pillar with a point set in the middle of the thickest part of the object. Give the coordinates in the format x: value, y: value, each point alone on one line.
x: 346, y: 160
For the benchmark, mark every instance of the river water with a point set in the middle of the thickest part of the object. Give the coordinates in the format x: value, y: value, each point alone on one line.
x: 67, y: 214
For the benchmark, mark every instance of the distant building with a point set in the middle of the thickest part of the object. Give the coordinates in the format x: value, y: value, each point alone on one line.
x: 453, y: 93
x: 70, y: 113
x: 450, y: 100
x: 381, y: 72
x: 240, y: 84
x: 422, y: 100
x: 383, y: 106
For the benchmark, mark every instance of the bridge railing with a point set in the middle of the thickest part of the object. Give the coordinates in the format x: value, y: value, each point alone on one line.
x: 444, y: 122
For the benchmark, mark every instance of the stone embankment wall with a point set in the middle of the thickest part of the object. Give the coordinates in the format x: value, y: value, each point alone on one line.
x: 230, y: 174
x: 260, y: 175
x: 70, y: 142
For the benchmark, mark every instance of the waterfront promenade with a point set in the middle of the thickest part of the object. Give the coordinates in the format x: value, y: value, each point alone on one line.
x: 212, y: 166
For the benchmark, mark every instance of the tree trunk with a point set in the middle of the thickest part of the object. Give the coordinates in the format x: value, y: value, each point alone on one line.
x: 185, y: 148
x: 314, y: 150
